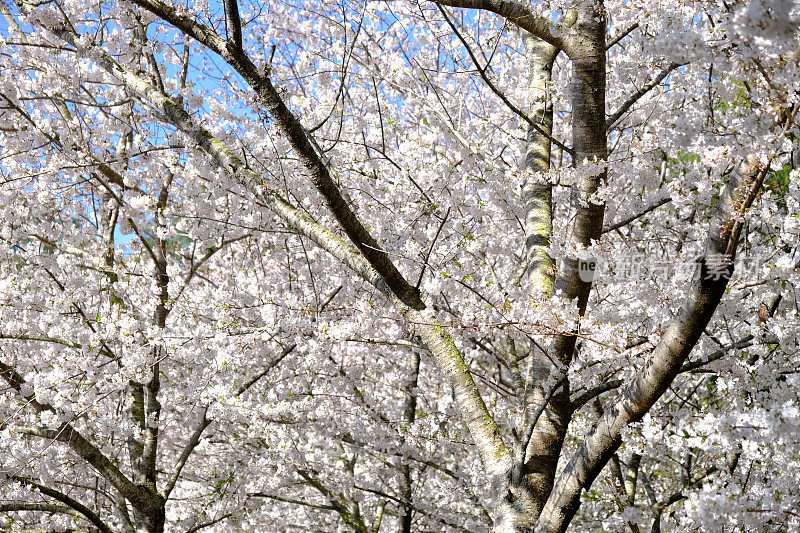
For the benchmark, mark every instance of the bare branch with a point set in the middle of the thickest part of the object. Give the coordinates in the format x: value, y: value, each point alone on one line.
x: 627, y: 220
x: 385, y: 342
x: 209, y: 523
x: 622, y: 35
x: 44, y: 507
x: 416, y: 509
x: 302, y: 143
x: 194, y: 440
x: 489, y: 83
x: 329, y: 299
x: 67, y: 501
x: 293, y: 501
x: 535, y: 418
x: 679, y: 495
x: 234, y: 23
x: 745, y: 342
x: 376, y: 523
x: 430, y: 249
x: 518, y: 14
x: 581, y: 399
x: 209, y: 253
x: 269, y: 366
x: 632, y: 99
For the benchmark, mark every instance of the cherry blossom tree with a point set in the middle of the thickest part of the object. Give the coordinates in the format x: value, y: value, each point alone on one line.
x: 422, y: 265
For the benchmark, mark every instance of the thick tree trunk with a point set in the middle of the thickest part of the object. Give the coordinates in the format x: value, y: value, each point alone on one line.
x: 531, y: 479
x: 536, y: 465
x: 537, y: 193
x: 589, y: 143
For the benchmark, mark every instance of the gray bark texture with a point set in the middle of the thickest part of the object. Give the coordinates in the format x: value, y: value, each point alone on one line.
x: 663, y: 364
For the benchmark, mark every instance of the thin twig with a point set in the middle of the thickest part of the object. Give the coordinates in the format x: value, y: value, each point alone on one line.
x: 482, y: 71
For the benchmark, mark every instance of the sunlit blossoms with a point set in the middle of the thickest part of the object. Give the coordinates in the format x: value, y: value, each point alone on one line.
x: 422, y: 265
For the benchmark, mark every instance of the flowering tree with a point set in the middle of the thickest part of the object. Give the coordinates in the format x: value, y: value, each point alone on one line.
x: 420, y: 265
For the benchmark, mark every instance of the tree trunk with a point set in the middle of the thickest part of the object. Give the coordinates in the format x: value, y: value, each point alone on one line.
x: 409, y: 414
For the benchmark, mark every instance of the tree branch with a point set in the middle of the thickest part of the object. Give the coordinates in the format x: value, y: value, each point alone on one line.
x: 539, y: 268
x: 579, y: 400
x: 632, y: 99
x: 234, y: 24
x: 269, y: 366
x: 678, y: 495
x: 209, y: 253
x: 44, y: 507
x: 665, y: 361
x: 584, y: 226
x: 209, y: 523
x: 293, y: 501
x: 302, y: 143
x: 518, y: 14
x: 745, y: 342
x: 349, y: 513
x: 622, y: 35
x: 535, y: 418
x: 401, y: 501
x: 627, y: 220
x: 16, y: 382
x: 474, y: 411
x: 138, y: 496
x: 476, y: 416
x: 67, y: 501
x: 194, y: 440
x: 489, y: 83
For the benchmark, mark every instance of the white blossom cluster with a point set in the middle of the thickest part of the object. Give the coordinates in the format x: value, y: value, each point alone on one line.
x: 129, y: 257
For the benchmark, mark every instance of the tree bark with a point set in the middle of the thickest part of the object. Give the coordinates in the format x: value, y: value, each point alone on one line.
x: 587, y: 52
x: 537, y: 193
x: 665, y: 361
x: 531, y: 478
x: 409, y: 415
